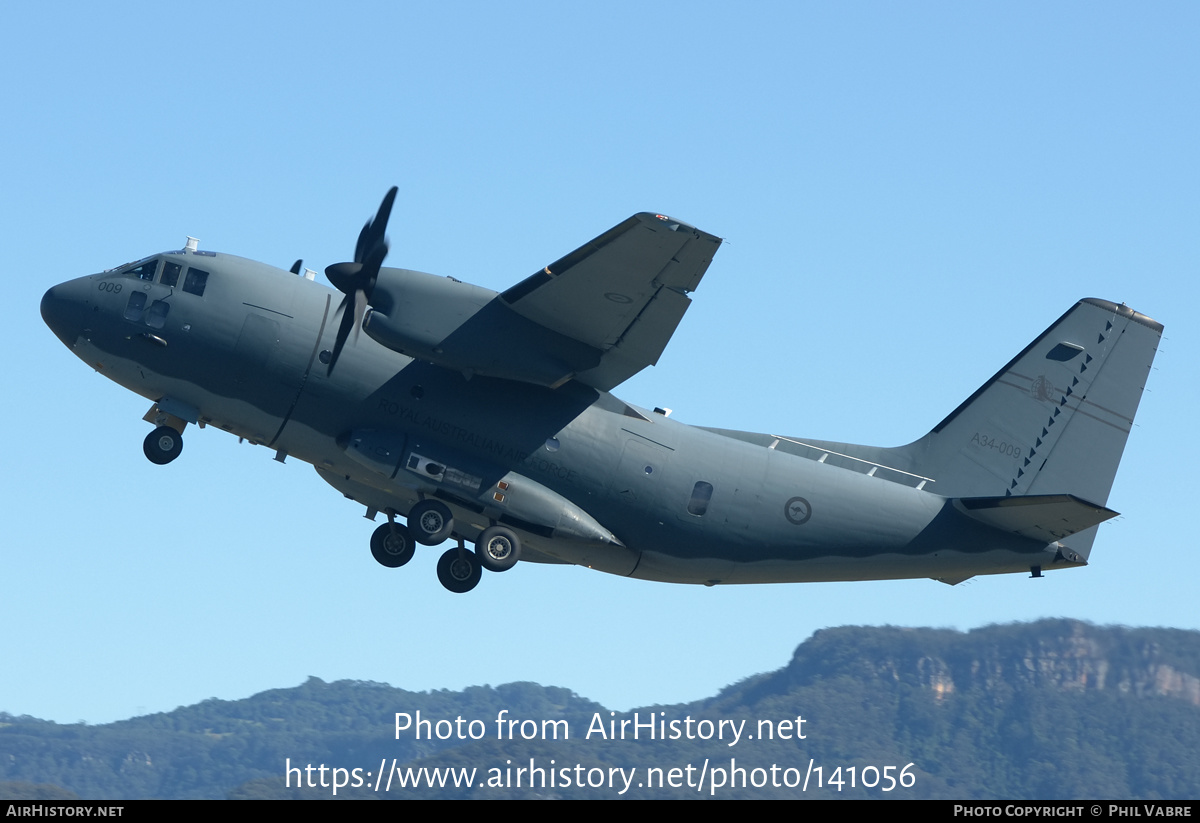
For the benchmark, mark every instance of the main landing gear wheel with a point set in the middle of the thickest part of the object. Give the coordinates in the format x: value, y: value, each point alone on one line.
x: 498, y: 548
x: 163, y: 445
x: 431, y: 522
x: 392, y: 545
x: 459, y: 570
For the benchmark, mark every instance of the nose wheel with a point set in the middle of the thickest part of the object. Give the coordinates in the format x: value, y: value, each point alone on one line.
x: 163, y: 445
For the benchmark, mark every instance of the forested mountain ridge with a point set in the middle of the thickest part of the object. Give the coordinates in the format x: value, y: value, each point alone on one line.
x: 1053, y: 709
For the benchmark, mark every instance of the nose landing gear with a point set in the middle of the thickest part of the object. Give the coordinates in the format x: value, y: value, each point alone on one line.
x: 163, y: 445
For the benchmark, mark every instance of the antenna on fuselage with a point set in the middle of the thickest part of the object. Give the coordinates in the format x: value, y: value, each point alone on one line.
x: 191, y: 245
x: 309, y: 274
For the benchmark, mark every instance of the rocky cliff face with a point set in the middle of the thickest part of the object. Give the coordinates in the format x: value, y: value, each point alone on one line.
x: 1060, y: 654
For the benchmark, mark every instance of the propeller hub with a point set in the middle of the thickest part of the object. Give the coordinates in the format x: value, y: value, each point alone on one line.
x: 344, y: 276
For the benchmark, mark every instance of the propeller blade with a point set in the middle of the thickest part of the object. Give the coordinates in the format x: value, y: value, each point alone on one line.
x: 357, y: 280
x: 372, y: 234
x: 351, y: 320
x: 343, y: 333
x: 370, y: 270
x: 360, y: 309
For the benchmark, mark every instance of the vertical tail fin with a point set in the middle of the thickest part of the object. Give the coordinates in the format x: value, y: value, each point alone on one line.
x: 1055, y: 419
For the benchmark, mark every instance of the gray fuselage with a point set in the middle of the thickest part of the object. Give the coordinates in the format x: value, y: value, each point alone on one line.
x: 587, y: 479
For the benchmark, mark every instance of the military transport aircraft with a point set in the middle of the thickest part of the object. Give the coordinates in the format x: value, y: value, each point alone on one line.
x: 486, y: 418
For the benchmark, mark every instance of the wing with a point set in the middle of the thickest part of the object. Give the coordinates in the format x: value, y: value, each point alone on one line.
x: 622, y: 295
x: 599, y: 315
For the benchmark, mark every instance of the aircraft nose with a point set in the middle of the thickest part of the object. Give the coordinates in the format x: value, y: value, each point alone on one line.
x: 63, y: 310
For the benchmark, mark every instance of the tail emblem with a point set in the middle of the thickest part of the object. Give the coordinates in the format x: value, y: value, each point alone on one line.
x: 1042, y: 389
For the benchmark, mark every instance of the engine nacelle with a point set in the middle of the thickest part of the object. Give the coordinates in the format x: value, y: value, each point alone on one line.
x: 469, y: 329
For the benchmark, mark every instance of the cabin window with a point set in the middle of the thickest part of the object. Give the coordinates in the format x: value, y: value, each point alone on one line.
x: 701, y: 494
x: 144, y: 271
x: 170, y: 275
x: 156, y: 317
x: 135, y: 306
x: 195, y: 282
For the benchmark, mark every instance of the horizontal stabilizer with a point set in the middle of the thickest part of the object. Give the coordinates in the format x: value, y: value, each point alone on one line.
x: 1045, y: 517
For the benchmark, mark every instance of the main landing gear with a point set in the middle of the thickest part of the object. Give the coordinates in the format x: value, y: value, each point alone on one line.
x: 498, y: 548
x: 392, y: 545
x: 431, y: 522
x: 459, y: 570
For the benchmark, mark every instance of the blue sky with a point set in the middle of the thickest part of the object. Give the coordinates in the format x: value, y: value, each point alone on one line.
x: 909, y: 193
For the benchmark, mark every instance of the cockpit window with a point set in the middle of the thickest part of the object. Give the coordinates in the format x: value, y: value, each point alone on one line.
x: 144, y: 270
x: 170, y: 275
x: 195, y: 281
